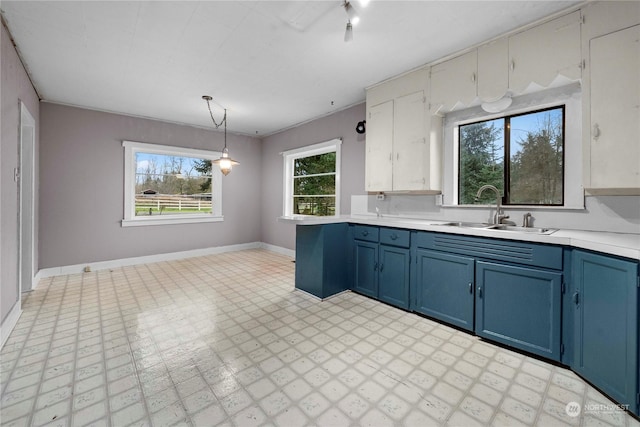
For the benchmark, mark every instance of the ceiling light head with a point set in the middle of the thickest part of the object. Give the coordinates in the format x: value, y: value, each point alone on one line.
x: 497, y: 106
x: 348, y: 33
x: 351, y: 13
x: 225, y: 162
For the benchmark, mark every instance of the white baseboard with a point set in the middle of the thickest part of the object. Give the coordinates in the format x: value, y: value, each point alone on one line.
x: 10, y: 322
x: 278, y: 249
x: 103, y: 265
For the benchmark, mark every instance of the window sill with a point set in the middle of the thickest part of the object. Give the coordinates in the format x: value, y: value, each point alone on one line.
x: 518, y: 207
x: 168, y: 220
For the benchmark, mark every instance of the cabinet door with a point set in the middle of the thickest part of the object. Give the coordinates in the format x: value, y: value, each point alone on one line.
x: 410, y: 157
x: 453, y: 83
x: 615, y: 110
x: 443, y: 287
x: 393, y: 280
x: 606, y: 324
x: 493, y: 70
x: 520, y: 307
x: 366, y: 268
x: 379, y: 143
x: 543, y: 53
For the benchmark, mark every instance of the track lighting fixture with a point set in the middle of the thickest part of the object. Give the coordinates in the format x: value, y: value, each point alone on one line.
x: 351, y: 13
x: 225, y: 162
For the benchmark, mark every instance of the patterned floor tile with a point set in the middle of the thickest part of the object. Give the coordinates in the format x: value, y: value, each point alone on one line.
x: 225, y: 340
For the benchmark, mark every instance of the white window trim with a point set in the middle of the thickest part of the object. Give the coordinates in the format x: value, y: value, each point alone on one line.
x: 570, y: 96
x: 310, y: 150
x: 131, y: 220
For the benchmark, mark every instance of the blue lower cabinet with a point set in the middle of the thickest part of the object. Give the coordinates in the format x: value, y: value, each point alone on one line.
x: 321, y: 254
x: 393, y: 277
x: 605, y: 299
x: 381, y: 258
x: 443, y: 287
x: 365, y: 261
x: 520, y: 307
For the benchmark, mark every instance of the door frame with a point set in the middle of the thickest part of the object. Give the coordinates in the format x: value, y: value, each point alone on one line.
x: 26, y: 200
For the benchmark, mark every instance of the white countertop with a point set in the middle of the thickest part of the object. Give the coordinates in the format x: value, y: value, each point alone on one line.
x: 620, y: 244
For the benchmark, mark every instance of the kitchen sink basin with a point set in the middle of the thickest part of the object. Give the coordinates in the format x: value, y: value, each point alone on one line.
x: 517, y: 229
x: 465, y: 224
x: 498, y: 227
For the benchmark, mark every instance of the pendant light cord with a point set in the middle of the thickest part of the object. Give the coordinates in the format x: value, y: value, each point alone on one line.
x: 216, y: 124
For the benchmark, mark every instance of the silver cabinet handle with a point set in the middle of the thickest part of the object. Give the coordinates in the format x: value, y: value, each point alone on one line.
x: 394, y: 236
x: 365, y: 233
x: 479, y: 292
x: 381, y: 267
x: 596, y: 131
x: 470, y: 287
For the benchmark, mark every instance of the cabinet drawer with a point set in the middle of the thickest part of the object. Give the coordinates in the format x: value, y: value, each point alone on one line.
x: 366, y: 232
x: 395, y: 237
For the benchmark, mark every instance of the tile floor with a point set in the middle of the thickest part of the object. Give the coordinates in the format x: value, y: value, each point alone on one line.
x: 226, y: 340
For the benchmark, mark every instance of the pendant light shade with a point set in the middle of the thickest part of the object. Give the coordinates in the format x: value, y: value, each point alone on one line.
x: 225, y: 162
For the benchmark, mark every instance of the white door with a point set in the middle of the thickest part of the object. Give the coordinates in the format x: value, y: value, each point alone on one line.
x: 410, y: 158
x: 26, y: 192
x: 543, y: 53
x: 379, y: 146
x: 615, y: 110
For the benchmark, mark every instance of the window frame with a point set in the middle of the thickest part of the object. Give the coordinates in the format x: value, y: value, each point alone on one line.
x: 131, y: 148
x: 289, y: 156
x: 507, y: 154
x: 571, y: 96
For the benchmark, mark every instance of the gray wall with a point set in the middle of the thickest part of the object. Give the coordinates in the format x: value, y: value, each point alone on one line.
x: 16, y: 87
x: 82, y: 188
x: 339, y: 125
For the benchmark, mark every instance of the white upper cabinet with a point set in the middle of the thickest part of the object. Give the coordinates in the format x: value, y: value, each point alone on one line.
x: 615, y: 112
x: 379, y: 147
x: 410, y: 161
x: 454, y: 83
x: 546, y: 55
x: 493, y: 70
x: 401, y: 155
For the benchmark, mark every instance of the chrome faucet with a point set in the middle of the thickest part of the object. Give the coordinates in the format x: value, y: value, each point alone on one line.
x: 499, y: 215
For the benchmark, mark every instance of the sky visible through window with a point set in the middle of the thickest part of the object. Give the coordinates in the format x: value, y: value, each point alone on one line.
x: 163, y: 164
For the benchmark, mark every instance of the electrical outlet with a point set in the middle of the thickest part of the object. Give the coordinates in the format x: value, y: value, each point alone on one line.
x: 380, y: 196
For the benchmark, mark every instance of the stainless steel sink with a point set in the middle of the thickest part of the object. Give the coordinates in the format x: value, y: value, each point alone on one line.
x: 465, y: 224
x: 498, y: 227
x: 517, y: 229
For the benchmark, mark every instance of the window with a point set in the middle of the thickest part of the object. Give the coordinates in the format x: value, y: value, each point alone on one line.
x: 168, y: 185
x: 312, y: 180
x: 521, y: 155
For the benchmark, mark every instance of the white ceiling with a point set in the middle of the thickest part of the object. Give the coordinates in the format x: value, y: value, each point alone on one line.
x: 272, y: 64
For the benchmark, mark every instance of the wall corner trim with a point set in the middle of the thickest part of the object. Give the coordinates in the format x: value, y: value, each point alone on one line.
x: 10, y: 322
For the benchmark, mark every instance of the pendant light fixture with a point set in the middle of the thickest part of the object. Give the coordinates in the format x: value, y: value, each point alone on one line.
x: 224, y: 162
